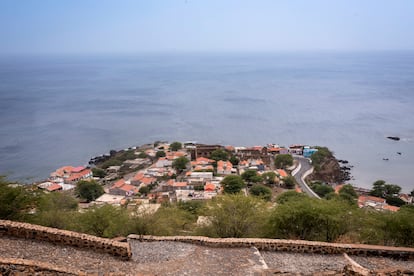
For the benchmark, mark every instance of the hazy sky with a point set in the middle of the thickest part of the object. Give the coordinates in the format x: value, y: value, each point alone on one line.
x: 100, y: 26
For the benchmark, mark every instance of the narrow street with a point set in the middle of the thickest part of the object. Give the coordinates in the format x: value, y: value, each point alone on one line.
x: 300, y: 175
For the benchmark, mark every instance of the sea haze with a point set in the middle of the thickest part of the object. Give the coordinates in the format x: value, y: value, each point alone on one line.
x: 58, y: 111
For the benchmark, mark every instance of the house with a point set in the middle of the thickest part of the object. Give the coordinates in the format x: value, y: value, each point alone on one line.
x: 308, y: 152
x: 282, y: 173
x: 371, y: 201
x: 77, y: 176
x: 136, y: 180
x: 201, y: 150
x: 110, y: 199
x: 172, y: 185
x: 120, y: 187
x: 202, y: 161
x: 296, y: 149
x: 148, y: 180
x: 54, y: 187
x: 406, y: 198
x: 224, y: 167
x: 277, y: 150
x: 391, y: 208
x: 163, y: 162
x: 210, y: 187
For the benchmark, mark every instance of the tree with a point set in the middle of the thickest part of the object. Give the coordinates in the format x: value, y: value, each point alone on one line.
x: 15, y: 200
x: 320, y: 156
x: 269, y: 178
x: 176, y: 146
x: 97, y: 172
x: 89, y: 190
x: 348, y: 189
x: 392, y: 190
x: 289, y: 182
x: 347, y: 192
x: 236, y: 216
x: 251, y: 176
x: 321, y: 189
x: 310, y: 219
x: 283, y: 160
x: 378, y: 188
x: 180, y: 163
x: 412, y: 193
x: 290, y: 196
x: 144, y: 190
x: 234, y: 160
x: 160, y: 153
x: 219, y: 154
x: 232, y: 184
x: 381, y: 189
x: 142, y: 155
x: 57, y: 210
x: 106, y: 221
x: 261, y: 191
x: 394, y: 201
x: 170, y: 221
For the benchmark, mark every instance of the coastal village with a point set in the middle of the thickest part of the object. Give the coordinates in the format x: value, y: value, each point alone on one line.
x: 152, y: 174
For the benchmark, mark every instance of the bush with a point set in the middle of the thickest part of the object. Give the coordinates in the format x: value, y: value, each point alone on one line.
x: 232, y: 184
x: 89, y: 190
x: 283, y: 160
x: 262, y: 192
x: 235, y: 216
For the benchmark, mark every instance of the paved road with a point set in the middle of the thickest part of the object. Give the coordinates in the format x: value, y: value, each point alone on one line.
x: 305, y: 169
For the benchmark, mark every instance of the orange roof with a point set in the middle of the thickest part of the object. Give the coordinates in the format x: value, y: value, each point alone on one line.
x: 224, y: 165
x: 78, y: 175
x: 209, y: 187
x: 138, y: 176
x: 282, y: 173
x: 337, y: 188
x: 229, y: 148
x: 148, y: 180
x: 201, y: 161
x: 200, y: 168
x: 298, y: 189
x: 391, y: 208
x: 180, y: 184
x: 129, y: 188
x: 118, y: 183
x: 54, y: 187
x: 77, y: 169
x: 371, y: 198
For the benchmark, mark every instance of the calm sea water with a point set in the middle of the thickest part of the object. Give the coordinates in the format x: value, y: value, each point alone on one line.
x: 58, y: 111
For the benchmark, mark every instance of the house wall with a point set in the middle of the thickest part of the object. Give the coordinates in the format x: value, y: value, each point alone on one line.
x: 63, y: 237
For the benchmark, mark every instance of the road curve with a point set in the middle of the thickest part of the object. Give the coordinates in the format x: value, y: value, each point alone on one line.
x: 304, y: 169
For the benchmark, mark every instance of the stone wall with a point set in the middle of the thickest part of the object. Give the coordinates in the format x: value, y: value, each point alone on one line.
x: 66, y: 238
x: 27, y: 267
x: 297, y: 246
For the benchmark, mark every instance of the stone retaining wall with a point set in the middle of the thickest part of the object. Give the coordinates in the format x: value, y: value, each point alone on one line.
x: 63, y: 237
x: 27, y: 267
x: 297, y: 246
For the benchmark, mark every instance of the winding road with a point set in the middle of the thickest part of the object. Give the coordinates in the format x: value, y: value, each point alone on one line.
x: 303, y: 169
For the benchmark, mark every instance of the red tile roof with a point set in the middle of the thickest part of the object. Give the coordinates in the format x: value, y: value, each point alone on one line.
x: 282, y: 173
x: 210, y: 187
x: 79, y: 175
x: 138, y: 176
x: 54, y: 187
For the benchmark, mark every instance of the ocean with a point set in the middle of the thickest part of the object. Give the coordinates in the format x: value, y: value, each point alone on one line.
x: 63, y: 110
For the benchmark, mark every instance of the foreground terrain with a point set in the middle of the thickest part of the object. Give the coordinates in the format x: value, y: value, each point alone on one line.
x: 173, y: 258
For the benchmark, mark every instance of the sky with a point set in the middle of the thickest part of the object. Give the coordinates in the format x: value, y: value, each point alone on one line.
x: 131, y: 26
